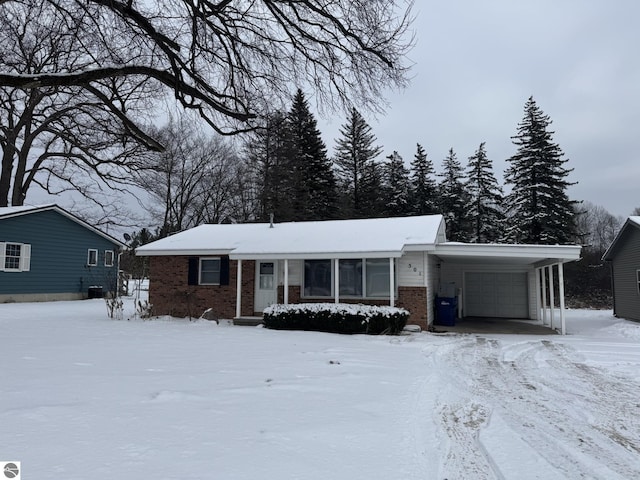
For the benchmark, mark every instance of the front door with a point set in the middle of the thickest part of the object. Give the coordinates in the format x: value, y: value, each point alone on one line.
x: 266, y: 285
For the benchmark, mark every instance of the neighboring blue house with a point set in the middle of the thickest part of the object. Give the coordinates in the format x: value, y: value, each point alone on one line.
x: 47, y: 253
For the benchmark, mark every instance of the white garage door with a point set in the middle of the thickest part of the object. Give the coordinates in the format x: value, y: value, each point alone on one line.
x: 493, y: 294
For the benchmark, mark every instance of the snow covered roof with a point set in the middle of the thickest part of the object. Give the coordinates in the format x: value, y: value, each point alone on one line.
x: 375, y: 237
x: 8, y: 212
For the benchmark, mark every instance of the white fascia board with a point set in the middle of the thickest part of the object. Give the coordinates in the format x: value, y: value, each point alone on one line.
x: 559, y: 252
x: 425, y: 247
x: 181, y: 253
x: 311, y: 255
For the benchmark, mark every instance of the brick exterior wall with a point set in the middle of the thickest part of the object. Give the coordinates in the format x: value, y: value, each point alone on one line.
x: 170, y: 293
x: 413, y: 299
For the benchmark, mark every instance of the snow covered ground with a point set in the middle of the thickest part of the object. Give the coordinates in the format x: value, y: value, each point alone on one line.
x: 86, y: 397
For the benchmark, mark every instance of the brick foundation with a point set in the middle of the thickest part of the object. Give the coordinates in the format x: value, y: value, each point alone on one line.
x: 413, y: 299
x: 170, y: 293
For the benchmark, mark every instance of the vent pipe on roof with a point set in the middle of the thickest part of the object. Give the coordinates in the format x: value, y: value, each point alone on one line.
x: 271, y: 220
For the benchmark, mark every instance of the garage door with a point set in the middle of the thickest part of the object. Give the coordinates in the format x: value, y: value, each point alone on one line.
x: 492, y: 294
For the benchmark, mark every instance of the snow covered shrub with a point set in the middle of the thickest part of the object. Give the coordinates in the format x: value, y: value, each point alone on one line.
x: 336, y: 318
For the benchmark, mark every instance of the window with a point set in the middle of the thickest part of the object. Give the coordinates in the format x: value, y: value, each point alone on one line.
x: 92, y: 257
x: 15, y: 257
x: 351, y: 277
x: 360, y: 278
x: 209, y: 271
x: 317, y: 278
x: 377, y: 277
x: 12, y: 256
x: 108, y: 258
x: 638, y: 280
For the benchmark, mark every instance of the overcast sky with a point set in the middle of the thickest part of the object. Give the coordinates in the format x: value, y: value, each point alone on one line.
x: 477, y: 62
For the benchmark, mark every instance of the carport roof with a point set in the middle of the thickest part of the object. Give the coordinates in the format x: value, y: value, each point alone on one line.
x: 508, y: 254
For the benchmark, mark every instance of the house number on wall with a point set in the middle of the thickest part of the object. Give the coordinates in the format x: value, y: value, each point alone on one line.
x: 415, y: 269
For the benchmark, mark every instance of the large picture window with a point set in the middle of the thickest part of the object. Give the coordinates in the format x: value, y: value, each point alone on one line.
x: 209, y: 271
x: 359, y: 278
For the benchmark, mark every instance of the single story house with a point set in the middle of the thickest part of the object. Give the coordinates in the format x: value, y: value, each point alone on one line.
x: 47, y: 253
x: 239, y: 269
x: 624, y: 257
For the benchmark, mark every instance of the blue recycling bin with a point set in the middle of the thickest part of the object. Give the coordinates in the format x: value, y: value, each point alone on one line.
x: 446, y: 311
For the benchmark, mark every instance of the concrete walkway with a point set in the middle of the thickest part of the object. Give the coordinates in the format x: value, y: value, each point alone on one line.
x: 496, y: 325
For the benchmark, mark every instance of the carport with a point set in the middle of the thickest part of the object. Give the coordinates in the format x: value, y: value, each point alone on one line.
x: 506, y: 282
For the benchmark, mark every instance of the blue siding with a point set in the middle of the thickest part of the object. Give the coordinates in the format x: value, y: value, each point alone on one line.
x: 59, y: 249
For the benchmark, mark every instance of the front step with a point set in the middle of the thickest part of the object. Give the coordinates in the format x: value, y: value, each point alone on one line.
x: 247, y: 321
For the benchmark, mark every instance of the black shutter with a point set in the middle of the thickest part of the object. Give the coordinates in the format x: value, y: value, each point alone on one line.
x: 193, y: 271
x: 224, y: 271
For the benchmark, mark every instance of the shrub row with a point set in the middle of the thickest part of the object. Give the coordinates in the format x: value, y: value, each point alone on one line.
x: 336, y: 318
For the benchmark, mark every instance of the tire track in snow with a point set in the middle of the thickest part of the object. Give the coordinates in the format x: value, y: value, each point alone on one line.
x: 578, y: 419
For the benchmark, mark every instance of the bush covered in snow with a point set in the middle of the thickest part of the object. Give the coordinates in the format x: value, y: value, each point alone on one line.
x: 336, y: 318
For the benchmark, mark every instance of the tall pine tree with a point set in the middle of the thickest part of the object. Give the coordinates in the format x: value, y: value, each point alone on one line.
x: 310, y: 176
x: 454, y: 198
x: 484, y: 206
x: 396, y: 187
x: 424, y: 195
x: 539, y: 209
x: 267, y: 155
x: 354, y: 153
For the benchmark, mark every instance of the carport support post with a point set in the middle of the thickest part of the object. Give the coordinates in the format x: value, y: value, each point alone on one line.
x: 336, y: 276
x: 543, y: 271
x: 392, y: 287
x: 561, y: 293
x: 539, y: 296
x: 286, y: 282
x: 552, y: 300
x: 239, y: 289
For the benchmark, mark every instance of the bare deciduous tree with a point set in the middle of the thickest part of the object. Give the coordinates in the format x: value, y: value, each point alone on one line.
x: 230, y: 60
x: 63, y: 137
x: 194, y: 180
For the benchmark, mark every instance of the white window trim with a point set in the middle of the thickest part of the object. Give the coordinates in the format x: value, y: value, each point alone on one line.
x: 106, y: 254
x: 25, y: 257
x: 350, y: 297
x: 200, y: 282
x: 89, y: 264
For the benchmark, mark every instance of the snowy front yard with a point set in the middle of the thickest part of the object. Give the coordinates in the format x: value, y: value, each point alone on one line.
x: 86, y: 397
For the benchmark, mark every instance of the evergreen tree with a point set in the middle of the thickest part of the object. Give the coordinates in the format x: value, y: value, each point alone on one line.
x: 309, y: 175
x: 267, y: 154
x: 484, y: 205
x: 424, y: 196
x: 539, y: 209
x: 373, y: 191
x: 454, y: 198
x: 396, y: 186
x: 354, y: 152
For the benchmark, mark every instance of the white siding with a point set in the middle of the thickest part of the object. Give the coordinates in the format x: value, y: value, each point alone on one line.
x: 433, y: 280
x: 411, y: 270
x: 454, y: 272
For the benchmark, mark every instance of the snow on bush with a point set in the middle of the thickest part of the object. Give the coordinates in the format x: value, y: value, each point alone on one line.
x: 336, y: 318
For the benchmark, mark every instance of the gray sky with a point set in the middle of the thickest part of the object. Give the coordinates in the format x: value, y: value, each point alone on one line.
x: 477, y: 62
